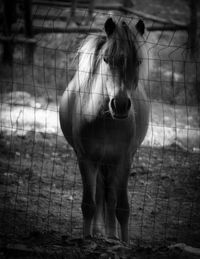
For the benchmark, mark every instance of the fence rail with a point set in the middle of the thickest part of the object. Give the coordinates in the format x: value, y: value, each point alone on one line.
x: 11, y: 33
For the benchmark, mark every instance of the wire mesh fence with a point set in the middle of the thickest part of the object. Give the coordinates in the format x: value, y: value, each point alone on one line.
x: 40, y: 184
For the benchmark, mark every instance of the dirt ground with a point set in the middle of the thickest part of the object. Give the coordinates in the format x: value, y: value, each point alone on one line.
x: 40, y: 193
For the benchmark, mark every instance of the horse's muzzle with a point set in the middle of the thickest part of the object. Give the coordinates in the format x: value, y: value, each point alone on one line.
x: 120, y: 107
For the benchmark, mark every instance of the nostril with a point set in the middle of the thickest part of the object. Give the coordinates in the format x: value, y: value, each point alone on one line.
x: 120, y: 105
x: 129, y: 104
x: 113, y: 105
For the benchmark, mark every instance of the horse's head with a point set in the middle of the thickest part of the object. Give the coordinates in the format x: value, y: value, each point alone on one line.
x: 122, y: 58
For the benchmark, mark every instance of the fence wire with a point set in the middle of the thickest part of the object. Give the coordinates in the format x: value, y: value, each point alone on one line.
x: 40, y: 184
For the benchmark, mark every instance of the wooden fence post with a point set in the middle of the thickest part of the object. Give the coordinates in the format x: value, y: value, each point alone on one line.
x: 192, y: 70
x: 9, y: 17
x: 28, y: 28
x: 28, y: 18
x: 73, y: 8
x: 193, y: 26
x: 90, y: 10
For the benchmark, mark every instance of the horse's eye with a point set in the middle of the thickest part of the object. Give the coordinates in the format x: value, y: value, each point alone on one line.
x: 121, y: 58
x: 105, y: 59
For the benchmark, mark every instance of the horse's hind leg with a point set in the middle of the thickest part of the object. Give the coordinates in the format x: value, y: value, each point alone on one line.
x: 89, y: 174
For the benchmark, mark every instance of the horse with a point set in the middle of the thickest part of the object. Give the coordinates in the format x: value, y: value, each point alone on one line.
x: 104, y: 115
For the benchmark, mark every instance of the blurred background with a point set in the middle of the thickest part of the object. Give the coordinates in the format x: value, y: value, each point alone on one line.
x: 40, y: 186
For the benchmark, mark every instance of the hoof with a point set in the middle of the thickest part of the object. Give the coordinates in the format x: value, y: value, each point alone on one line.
x: 88, y: 237
x: 98, y: 233
x: 113, y: 240
x: 99, y: 236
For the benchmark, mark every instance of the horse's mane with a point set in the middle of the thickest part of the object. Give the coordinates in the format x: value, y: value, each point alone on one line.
x: 88, y: 57
x: 125, y: 39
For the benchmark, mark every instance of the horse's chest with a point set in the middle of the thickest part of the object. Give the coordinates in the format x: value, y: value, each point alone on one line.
x: 106, y: 139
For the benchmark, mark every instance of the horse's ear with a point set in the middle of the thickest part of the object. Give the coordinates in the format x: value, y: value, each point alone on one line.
x: 140, y: 27
x: 109, y: 26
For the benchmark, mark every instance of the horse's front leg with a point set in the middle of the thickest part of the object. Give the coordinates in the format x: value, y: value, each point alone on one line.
x: 89, y: 175
x: 122, y: 210
x: 117, y: 200
x: 99, y: 218
x: 111, y: 201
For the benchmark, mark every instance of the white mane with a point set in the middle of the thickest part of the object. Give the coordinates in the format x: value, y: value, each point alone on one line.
x: 86, y: 59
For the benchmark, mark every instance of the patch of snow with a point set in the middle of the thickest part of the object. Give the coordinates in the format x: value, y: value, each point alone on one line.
x: 176, y: 76
x: 159, y: 136
x: 21, y: 119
